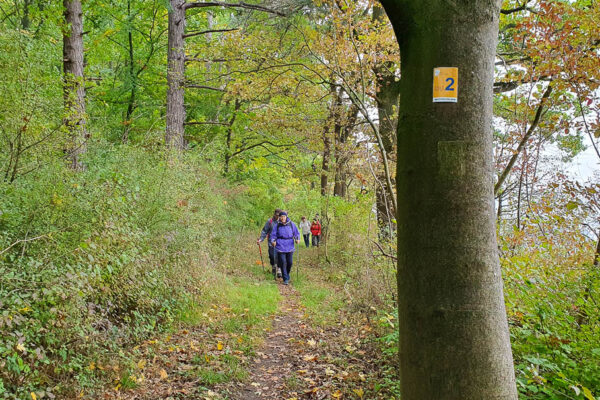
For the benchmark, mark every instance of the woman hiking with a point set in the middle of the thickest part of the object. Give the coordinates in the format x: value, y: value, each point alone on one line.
x: 283, y: 236
x: 305, y: 228
x: 315, y: 230
x: 266, y: 233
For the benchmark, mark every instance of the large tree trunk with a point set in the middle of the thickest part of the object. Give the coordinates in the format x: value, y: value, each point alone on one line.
x: 174, y: 137
x: 74, y: 88
x: 454, y: 339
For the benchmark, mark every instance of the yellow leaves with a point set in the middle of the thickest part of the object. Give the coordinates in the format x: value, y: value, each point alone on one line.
x: 92, y: 366
x: 337, y: 394
x: 310, y: 357
x: 312, y: 342
x: 33, y: 396
x: 163, y: 374
x: 359, y: 392
x: 56, y: 200
x: 587, y: 393
x: 21, y: 348
x: 220, y: 346
x: 141, y: 364
x: 329, y: 371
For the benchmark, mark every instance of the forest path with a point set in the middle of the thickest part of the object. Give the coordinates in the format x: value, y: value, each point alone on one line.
x: 242, y: 349
x: 286, y: 350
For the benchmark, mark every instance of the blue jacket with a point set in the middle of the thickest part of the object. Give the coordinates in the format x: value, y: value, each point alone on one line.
x: 266, y: 231
x: 284, y: 235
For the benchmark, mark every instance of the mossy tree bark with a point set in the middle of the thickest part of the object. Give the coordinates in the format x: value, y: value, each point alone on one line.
x: 454, y: 339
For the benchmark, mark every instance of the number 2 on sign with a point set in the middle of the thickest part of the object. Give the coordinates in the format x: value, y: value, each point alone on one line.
x: 445, y: 85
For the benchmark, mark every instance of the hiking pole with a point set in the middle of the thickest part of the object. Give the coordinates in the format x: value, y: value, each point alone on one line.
x: 298, y: 267
x: 261, y: 258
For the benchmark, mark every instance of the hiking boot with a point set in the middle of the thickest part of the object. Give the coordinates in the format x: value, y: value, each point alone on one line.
x: 286, y: 282
x: 279, y: 272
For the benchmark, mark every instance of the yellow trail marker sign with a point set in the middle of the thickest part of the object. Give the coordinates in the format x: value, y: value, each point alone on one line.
x: 445, y: 85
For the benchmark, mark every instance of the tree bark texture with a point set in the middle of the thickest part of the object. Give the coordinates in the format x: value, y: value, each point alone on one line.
x: 325, y: 161
x: 454, y: 339
x: 174, y: 137
x: 388, y: 94
x: 74, y: 88
x: 343, y: 128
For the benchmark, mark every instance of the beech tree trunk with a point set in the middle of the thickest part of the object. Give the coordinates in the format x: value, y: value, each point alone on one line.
x: 74, y: 88
x: 174, y: 137
x: 454, y: 339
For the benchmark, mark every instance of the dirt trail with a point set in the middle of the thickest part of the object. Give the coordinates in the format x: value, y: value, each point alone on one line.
x: 279, y: 358
x: 297, y: 361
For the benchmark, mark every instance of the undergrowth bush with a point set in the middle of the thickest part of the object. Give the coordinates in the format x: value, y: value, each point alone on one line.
x: 97, y: 260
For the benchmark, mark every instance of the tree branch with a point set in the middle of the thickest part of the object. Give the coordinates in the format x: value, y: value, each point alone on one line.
x: 192, y: 86
x: 534, y: 124
x: 383, y: 253
x: 233, y: 5
x: 209, y: 31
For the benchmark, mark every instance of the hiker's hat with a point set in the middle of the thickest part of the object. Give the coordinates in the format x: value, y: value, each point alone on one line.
x: 283, y: 213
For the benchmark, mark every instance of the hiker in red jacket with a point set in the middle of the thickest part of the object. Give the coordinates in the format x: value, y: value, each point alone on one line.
x: 315, y: 230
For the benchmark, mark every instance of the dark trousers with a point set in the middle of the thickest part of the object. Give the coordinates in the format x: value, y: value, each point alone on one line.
x: 315, y: 240
x: 306, y: 237
x: 285, y: 263
x: 273, y: 258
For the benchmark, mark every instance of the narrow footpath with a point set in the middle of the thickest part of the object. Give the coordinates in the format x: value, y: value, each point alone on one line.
x: 296, y: 359
x: 287, y: 361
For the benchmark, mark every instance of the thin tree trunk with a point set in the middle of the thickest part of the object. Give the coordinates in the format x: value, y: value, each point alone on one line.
x: 25, y: 21
x: 454, y: 339
x: 133, y: 81
x: 174, y: 137
x: 343, y: 130
x: 228, y: 150
x: 327, y: 140
x: 388, y: 95
x: 74, y: 88
x: 325, y: 161
x: 583, y: 317
x: 523, y: 142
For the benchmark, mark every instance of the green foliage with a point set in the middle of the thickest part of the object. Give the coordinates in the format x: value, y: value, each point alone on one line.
x: 95, y: 261
x: 554, y: 329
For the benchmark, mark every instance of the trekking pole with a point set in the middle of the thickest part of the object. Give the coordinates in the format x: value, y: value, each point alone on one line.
x: 261, y: 258
x: 298, y: 267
